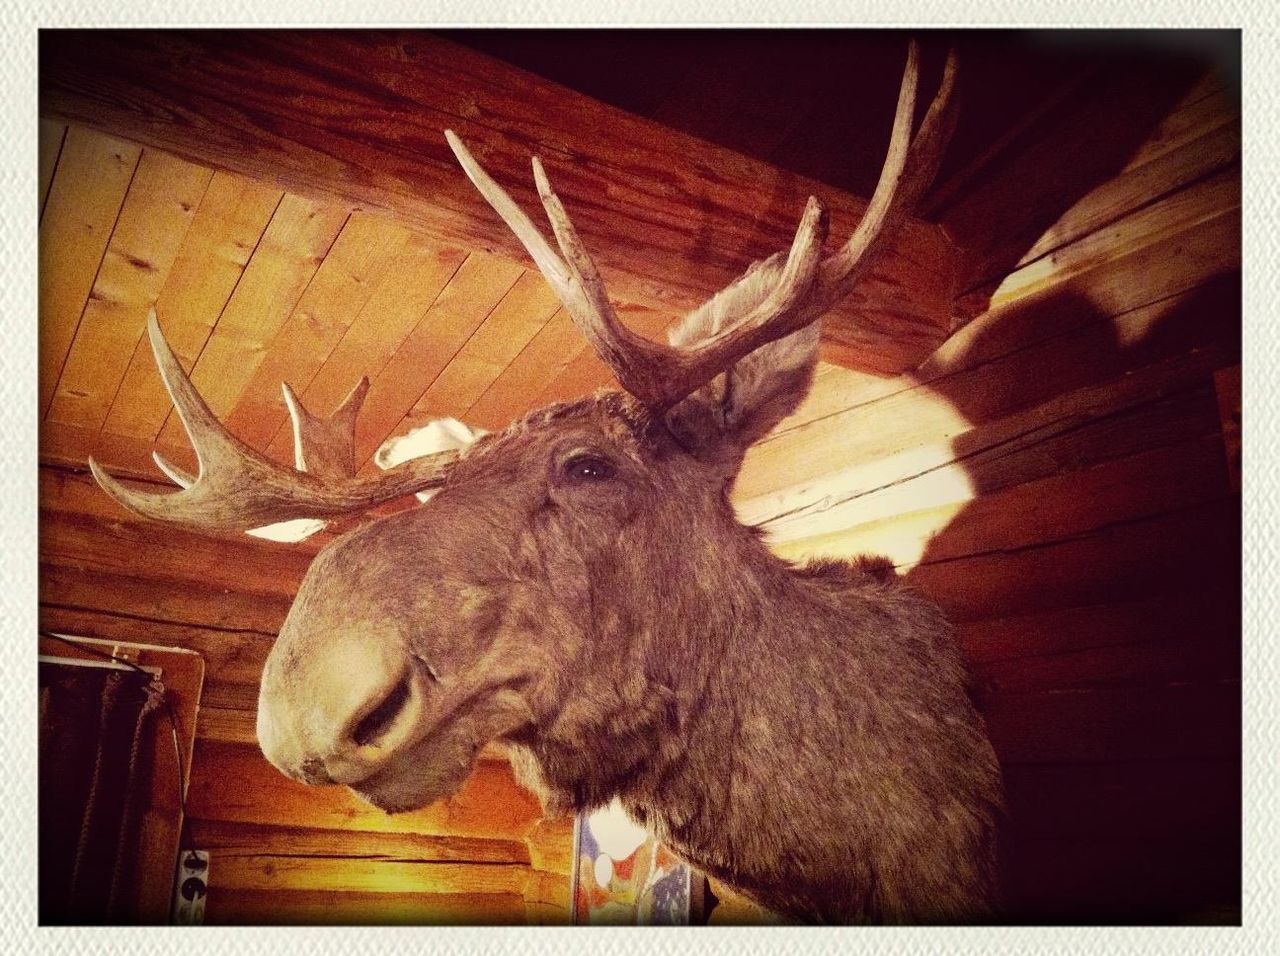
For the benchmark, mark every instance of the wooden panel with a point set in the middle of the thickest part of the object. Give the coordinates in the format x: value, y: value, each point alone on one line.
x: 1083, y: 142
x: 71, y: 584
x: 1186, y: 721
x: 1216, y: 197
x: 980, y: 380
x: 1065, y: 503
x: 473, y: 292
x: 224, y: 233
x: 1215, y: 151
x: 285, y: 260
x: 93, y: 177
x: 323, y: 908
x: 335, y: 297
x: 157, y: 212
x: 234, y: 783
x: 313, y: 127
x: 554, y: 347
x: 1117, y: 563
x: 49, y: 144
x: 522, y: 313
x: 409, y: 287
x: 1175, y: 616
x: 231, y: 655
x: 249, y: 840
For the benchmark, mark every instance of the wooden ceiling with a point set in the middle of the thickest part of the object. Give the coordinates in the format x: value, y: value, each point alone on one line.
x: 255, y: 285
x: 316, y: 230
x: 287, y: 203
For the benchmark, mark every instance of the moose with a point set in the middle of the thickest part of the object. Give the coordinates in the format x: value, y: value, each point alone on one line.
x: 579, y: 590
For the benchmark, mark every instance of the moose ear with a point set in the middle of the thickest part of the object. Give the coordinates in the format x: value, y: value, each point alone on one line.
x: 437, y: 435
x: 721, y: 420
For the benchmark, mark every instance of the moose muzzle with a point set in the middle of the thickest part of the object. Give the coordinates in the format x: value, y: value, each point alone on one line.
x: 340, y: 712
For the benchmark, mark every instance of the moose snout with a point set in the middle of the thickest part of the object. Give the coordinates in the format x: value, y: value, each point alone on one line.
x: 341, y: 715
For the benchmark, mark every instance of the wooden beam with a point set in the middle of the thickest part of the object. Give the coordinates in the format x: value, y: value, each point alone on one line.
x: 359, y: 117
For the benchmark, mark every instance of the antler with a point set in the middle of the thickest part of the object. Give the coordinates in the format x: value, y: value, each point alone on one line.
x: 238, y: 489
x: 660, y: 376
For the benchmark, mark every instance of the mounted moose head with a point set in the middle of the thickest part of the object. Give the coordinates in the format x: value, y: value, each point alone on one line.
x: 580, y: 590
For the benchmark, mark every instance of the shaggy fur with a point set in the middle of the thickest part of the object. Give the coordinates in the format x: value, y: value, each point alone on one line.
x: 803, y: 734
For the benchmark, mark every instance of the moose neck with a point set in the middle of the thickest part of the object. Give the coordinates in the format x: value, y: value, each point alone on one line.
x: 650, y: 706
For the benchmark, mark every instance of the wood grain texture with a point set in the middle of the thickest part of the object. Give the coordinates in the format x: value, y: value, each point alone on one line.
x: 94, y: 172
x: 145, y: 240
x: 283, y: 264
x: 223, y: 235
x: 360, y: 117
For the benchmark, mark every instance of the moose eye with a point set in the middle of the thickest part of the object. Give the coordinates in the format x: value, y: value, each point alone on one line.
x: 589, y: 468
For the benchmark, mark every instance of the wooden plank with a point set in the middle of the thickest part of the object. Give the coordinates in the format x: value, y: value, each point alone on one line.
x: 224, y: 233
x: 169, y: 557
x: 916, y: 470
x: 1206, y: 107
x: 1178, y: 721
x: 49, y: 139
x: 1226, y: 383
x: 303, y: 113
x: 407, y: 290
x: 509, y: 395
x: 1218, y: 150
x: 1121, y: 562
x: 249, y: 840
x: 1073, y: 149
x: 152, y: 224
x: 522, y: 313
x: 1211, y: 653
x: 550, y: 845
x: 1138, y: 309
x: 93, y: 177
x: 1178, y: 213
x: 283, y: 263
x: 70, y: 447
x: 334, y: 298
x: 271, y: 873
x: 1161, y: 616
x: 1065, y: 503
x: 234, y: 906
x: 235, y: 784
x: 473, y: 292
x: 230, y: 654
x: 74, y: 586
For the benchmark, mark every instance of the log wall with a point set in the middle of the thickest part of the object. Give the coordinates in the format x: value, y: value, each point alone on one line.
x: 282, y: 852
x: 1063, y: 476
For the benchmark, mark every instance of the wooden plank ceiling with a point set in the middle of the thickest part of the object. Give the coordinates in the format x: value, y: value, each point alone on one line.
x: 266, y: 265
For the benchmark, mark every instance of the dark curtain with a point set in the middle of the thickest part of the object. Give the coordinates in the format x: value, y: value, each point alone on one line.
x: 93, y: 788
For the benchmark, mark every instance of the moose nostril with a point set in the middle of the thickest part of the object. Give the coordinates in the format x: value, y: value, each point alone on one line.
x: 372, y: 726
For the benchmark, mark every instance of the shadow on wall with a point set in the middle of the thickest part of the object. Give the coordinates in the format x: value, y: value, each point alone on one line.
x: 1095, y: 577
x: 1095, y: 585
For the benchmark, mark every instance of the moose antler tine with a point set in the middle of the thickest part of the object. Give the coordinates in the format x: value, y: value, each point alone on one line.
x: 176, y: 475
x: 509, y: 211
x: 209, y: 439
x: 910, y: 165
x: 321, y: 446
x: 239, y: 489
x: 642, y: 367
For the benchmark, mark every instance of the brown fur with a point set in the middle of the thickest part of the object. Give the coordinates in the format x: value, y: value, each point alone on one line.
x: 801, y: 733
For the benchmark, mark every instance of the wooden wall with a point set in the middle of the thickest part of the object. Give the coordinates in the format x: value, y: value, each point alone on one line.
x: 1063, y: 476
x: 282, y: 852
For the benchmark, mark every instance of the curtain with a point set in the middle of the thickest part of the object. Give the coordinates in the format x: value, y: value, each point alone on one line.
x: 93, y: 771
